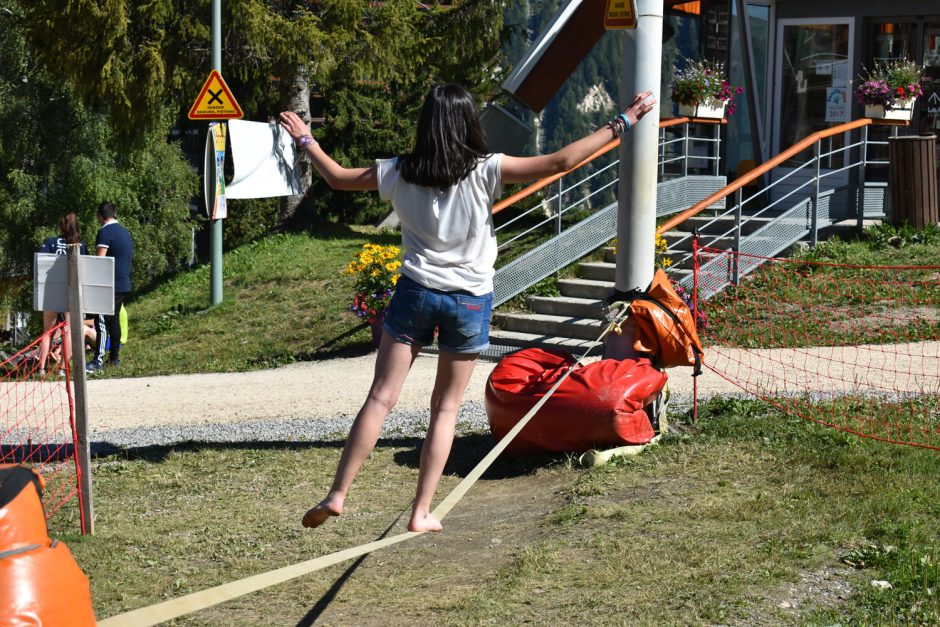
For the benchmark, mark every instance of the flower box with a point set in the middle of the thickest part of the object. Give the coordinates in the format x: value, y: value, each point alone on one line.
x: 713, y: 109
x: 899, y: 110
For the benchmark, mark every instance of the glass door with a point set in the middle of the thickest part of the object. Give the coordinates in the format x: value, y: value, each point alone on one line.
x: 930, y: 107
x: 814, y: 61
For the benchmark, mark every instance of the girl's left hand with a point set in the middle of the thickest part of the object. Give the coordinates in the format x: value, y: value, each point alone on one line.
x: 642, y: 104
x: 294, y: 126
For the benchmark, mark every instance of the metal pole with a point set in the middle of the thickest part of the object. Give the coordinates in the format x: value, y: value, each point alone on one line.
x: 636, y: 216
x: 814, y: 218
x: 662, y: 152
x: 735, y: 277
x: 685, y: 149
x: 558, y: 207
x: 77, y: 331
x: 717, y: 149
x: 215, y: 232
x: 863, y: 166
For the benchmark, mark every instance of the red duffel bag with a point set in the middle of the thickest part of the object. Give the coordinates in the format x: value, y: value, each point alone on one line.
x: 600, y: 404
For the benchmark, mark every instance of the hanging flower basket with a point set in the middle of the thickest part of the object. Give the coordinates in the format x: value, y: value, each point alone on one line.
x: 713, y: 109
x: 702, y: 91
x: 898, y: 110
x: 889, y: 91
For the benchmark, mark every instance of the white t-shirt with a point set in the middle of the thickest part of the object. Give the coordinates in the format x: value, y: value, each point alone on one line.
x: 448, y: 235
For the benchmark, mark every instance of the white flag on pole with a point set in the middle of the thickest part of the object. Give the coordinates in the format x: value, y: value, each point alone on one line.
x: 265, y: 160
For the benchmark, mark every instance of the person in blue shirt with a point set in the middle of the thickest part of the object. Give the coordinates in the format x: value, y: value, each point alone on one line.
x: 113, y: 241
x: 58, y: 245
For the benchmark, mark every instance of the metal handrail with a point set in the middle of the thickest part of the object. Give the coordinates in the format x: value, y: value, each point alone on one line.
x: 545, y: 182
x: 801, y: 199
x: 761, y: 170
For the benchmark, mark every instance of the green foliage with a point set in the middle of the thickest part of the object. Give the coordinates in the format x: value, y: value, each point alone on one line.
x: 58, y: 155
x: 885, y: 235
x: 249, y: 220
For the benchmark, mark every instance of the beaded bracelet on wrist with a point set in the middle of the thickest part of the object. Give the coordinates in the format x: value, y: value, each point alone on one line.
x: 306, y: 140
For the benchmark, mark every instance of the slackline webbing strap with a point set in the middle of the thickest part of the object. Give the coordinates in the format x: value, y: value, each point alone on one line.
x: 187, y: 604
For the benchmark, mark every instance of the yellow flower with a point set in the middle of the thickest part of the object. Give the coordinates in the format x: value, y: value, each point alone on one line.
x: 392, y: 266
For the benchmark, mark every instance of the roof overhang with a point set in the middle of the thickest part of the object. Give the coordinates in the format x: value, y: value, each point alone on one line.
x: 569, y: 38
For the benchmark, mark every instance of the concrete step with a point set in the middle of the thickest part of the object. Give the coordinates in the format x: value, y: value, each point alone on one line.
x: 545, y: 324
x: 568, y: 306
x: 584, y: 288
x: 516, y: 340
x: 597, y: 270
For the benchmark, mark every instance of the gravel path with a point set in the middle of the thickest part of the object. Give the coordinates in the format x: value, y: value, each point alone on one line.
x: 317, y: 400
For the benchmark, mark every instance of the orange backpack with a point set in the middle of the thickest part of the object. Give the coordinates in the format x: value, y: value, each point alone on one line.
x: 665, y: 327
x: 40, y: 582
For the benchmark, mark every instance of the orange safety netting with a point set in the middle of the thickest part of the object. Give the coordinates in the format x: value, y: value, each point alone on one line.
x: 852, y: 347
x: 37, y: 419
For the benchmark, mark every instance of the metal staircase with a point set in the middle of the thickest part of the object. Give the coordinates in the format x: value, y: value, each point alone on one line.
x: 795, y: 203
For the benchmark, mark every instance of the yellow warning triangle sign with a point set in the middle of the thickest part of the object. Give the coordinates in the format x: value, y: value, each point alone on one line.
x: 215, y: 101
x: 620, y: 14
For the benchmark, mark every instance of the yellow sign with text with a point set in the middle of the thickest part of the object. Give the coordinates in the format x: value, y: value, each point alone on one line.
x: 215, y: 101
x: 620, y: 14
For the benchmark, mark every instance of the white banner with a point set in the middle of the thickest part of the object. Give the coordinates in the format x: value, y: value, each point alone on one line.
x: 264, y: 157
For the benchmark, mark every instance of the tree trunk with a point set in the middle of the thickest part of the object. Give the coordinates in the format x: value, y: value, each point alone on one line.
x: 297, y: 100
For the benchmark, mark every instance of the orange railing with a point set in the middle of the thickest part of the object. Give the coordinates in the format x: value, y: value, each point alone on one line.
x: 759, y: 171
x: 543, y: 183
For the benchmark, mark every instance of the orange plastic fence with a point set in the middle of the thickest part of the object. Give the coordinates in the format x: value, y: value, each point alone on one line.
x: 37, y: 420
x: 856, y: 348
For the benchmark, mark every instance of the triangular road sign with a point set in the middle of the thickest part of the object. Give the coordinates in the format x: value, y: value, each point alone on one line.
x: 620, y: 14
x: 215, y: 101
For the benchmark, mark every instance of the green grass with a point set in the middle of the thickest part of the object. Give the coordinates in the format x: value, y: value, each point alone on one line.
x: 748, y: 517
x: 720, y: 524
x: 285, y: 299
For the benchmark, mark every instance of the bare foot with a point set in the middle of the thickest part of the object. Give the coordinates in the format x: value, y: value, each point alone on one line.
x: 321, y: 512
x: 425, y: 522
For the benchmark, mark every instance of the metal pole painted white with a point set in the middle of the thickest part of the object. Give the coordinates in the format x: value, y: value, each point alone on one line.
x: 636, y: 221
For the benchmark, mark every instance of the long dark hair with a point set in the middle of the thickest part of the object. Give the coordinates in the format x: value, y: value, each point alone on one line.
x: 68, y: 228
x: 450, y: 141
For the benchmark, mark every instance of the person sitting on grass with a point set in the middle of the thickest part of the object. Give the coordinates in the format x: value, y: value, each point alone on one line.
x: 443, y: 192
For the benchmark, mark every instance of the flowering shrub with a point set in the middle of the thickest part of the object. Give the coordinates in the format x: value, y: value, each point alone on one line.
x: 701, y: 82
x: 873, y: 92
x: 889, y: 82
x: 376, y: 270
x: 662, y: 260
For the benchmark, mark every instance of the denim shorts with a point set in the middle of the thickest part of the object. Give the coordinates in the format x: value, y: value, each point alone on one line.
x: 462, y: 320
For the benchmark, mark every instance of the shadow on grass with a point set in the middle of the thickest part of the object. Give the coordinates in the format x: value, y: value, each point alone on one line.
x: 467, y: 452
x: 320, y: 606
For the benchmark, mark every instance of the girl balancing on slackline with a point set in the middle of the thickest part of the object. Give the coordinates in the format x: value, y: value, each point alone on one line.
x: 443, y: 192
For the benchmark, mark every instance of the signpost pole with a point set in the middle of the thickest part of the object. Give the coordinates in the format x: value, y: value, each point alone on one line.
x: 215, y: 233
x: 82, y: 444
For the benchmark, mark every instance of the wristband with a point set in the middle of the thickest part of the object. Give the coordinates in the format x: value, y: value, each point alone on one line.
x: 306, y: 140
x: 626, y: 121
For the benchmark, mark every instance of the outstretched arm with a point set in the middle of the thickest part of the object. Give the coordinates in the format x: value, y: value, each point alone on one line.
x: 524, y: 169
x: 335, y: 175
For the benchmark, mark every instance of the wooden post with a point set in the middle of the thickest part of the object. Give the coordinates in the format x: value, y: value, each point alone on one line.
x: 82, y: 445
